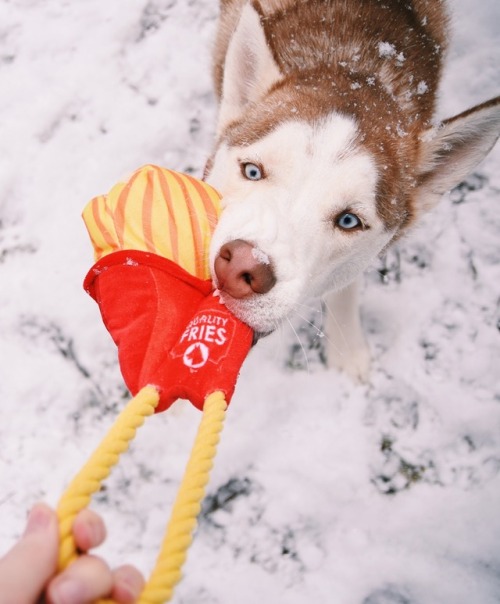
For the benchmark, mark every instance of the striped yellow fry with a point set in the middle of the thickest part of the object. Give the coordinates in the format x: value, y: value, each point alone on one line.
x: 159, y: 211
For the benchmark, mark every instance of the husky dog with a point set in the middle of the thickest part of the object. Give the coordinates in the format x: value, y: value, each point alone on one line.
x: 327, y: 152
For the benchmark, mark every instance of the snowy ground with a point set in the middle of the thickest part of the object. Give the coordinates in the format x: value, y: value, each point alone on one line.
x: 322, y: 491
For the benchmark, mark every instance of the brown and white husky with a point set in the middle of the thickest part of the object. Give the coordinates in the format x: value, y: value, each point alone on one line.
x: 327, y: 152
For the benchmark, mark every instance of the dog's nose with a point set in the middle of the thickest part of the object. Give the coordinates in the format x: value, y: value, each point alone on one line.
x: 242, y: 270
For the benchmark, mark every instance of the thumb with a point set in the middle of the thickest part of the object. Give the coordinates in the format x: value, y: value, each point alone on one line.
x: 27, y: 567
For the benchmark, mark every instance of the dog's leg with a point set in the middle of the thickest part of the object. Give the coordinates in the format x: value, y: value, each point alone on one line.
x: 347, y: 349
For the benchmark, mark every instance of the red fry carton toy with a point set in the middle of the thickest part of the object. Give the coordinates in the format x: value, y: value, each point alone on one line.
x: 152, y: 282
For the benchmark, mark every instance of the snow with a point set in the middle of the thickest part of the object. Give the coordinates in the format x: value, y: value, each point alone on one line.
x: 322, y: 491
x: 422, y: 87
x: 260, y: 256
x: 386, y: 49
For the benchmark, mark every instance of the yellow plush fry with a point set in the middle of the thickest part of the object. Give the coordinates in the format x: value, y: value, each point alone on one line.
x: 159, y: 211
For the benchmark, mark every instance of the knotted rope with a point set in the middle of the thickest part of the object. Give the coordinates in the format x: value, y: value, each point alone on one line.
x: 187, y: 506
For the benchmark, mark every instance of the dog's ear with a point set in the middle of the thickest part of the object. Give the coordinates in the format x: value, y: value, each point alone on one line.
x: 249, y: 68
x: 452, y: 150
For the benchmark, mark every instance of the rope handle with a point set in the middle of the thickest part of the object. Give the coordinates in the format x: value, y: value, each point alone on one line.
x: 187, y: 506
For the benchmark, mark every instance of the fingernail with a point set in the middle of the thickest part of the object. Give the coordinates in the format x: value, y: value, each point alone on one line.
x: 39, y: 518
x: 97, y: 531
x: 129, y: 583
x: 66, y: 591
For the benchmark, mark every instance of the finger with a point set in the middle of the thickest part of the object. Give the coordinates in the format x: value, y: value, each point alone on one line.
x: 88, y: 530
x: 128, y: 585
x: 25, y: 570
x: 86, y: 580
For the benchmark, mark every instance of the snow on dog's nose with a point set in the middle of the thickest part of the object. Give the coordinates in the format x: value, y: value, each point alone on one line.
x: 242, y: 269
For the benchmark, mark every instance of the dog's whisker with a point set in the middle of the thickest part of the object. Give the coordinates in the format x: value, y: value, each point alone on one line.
x: 309, y: 307
x: 319, y: 331
x: 280, y: 328
x: 345, y: 340
x: 300, y: 343
x: 322, y: 333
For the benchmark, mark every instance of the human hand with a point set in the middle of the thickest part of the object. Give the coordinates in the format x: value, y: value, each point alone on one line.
x: 28, y: 570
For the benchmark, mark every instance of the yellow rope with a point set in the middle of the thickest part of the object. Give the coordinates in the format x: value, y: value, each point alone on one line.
x: 89, y: 479
x: 178, y: 537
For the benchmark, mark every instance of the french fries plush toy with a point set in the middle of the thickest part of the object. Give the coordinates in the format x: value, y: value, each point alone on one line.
x: 152, y: 283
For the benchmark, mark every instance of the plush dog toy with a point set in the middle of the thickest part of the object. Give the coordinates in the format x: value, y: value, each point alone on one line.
x: 152, y: 283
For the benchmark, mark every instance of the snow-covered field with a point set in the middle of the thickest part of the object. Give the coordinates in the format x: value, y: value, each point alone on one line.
x: 322, y: 491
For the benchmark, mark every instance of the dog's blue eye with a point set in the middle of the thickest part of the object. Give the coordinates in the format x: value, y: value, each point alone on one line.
x: 348, y: 221
x: 251, y: 171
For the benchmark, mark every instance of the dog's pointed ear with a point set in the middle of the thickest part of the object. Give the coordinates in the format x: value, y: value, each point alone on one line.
x: 452, y: 150
x: 249, y: 68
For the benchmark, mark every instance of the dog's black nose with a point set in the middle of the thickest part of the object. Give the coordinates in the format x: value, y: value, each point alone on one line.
x: 242, y: 269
